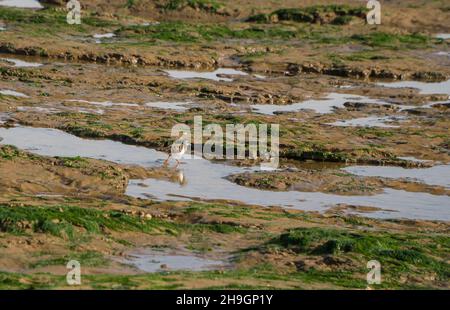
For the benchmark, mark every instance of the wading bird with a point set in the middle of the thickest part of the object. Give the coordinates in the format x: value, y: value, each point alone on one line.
x: 179, y: 148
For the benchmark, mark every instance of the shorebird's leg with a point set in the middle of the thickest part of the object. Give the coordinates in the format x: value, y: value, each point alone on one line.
x: 178, y: 163
x: 167, y: 160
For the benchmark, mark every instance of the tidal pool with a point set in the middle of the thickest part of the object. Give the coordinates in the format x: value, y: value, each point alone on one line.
x: 324, y: 106
x: 39, y: 109
x: 444, y: 36
x: 105, y: 103
x: 103, y: 35
x: 21, y: 63
x: 413, y: 159
x: 3, y: 118
x: 178, y: 106
x: 205, y: 180
x: 436, y: 175
x: 371, y: 121
x: 100, y: 36
x: 26, y: 4
x: 211, y: 75
x: 443, y: 54
x: 13, y: 93
x: 423, y: 87
x: 159, y: 260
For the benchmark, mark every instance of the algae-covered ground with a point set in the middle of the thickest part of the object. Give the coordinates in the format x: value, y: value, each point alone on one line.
x: 86, y: 113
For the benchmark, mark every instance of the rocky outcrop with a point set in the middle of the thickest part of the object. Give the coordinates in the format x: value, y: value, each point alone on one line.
x: 362, y: 73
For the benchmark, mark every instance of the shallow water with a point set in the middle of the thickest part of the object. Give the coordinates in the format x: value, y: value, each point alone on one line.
x: 327, y: 105
x: 3, y: 118
x: 423, y: 87
x: 413, y: 159
x: 99, y: 37
x: 103, y: 35
x: 51, y: 109
x: 152, y: 260
x: 370, y: 121
x: 38, y: 109
x: 443, y: 54
x: 105, y: 103
x: 8, y: 92
x: 52, y: 142
x: 27, y: 4
x: 178, y: 106
x: 20, y: 63
x: 212, y: 75
x: 436, y: 175
x: 444, y: 36
x: 91, y: 111
x: 206, y: 180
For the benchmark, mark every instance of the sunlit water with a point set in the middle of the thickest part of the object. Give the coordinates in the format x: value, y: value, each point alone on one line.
x: 371, y: 121
x: 217, y: 75
x: 324, y: 106
x: 447, y: 54
x: 423, y: 87
x: 105, y: 103
x: 444, y: 36
x: 103, y: 35
x: 436, y: 175
x: 177, y: 106
x: 206, y: 180
x: 159, y: 260
x: 13, y: 93
x: 99, y: 37
x: 20, y: 63
x: 26, y: 4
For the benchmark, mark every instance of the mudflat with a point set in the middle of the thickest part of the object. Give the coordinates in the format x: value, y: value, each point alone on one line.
x: 86, y: 114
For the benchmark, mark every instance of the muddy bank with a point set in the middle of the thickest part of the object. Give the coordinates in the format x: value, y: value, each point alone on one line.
x: 28, y: 174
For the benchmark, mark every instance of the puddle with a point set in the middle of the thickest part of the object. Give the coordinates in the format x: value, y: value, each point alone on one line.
x: 160, y: 260
x: 206, y: 180
x: 50, y: 110
x: 436, y: 175
x: 413, y: 159
x: 443, y: 54
x: 178, y: 106
x: 20, y: 63
x: 4, y: 117
x: 99, y: 36
x: 103, y: 36
x: 7, y: 92
x: 369, y: 122
x: 26, y: 4
x: 423, y: 87
x: 324, y: 106
x: 91, y: 111
x: 212, y: 75
x: 146, y: 24
x: 444, y: 36
x: 38, y: 109
x: 105, y: 103
x: 52, y: 142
